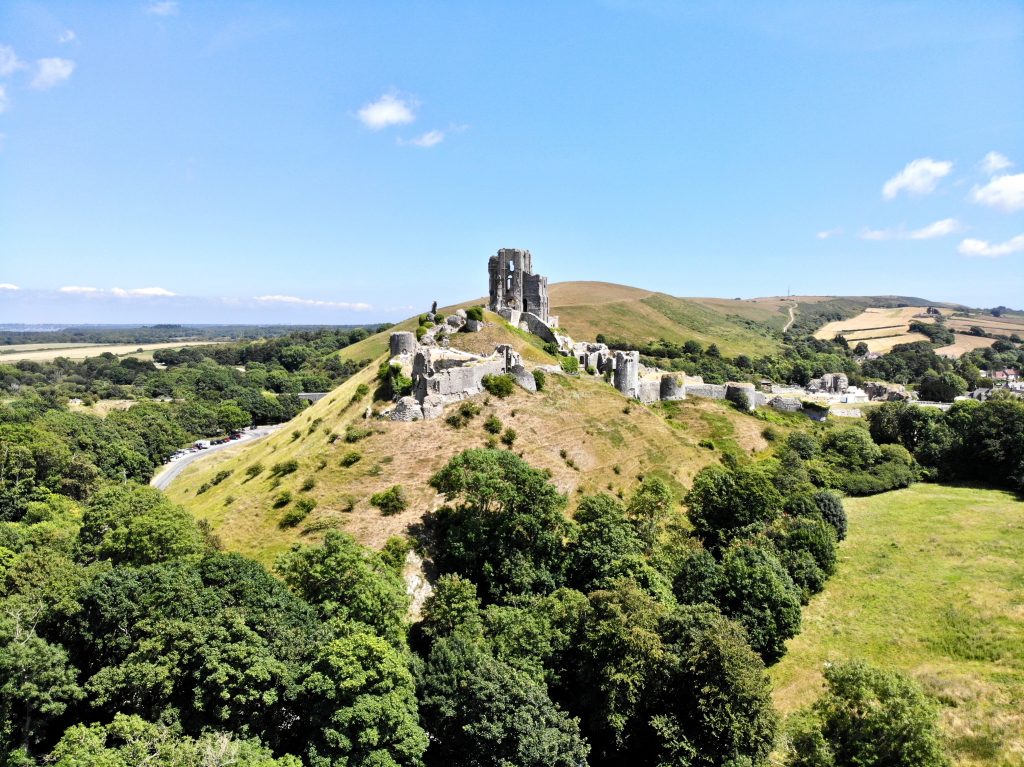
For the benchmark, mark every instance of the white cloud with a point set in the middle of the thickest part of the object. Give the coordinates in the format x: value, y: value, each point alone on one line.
x: 1006, y: 192
x: 971, y: 247
x: 994, y: 162
x: 141, y: 292
x: 918, y: 177
x: 9, y: 61
x: 389, y: 109
x: 163, y: 8
x: 8, y: 286
x: 78, y: 289
x: 826, y: 234
x: 428, y: 139
x: 3, y: 99
x: 51, y: 72
x: 66, y: 36
x: 357, y: 307
x: 937, y: 229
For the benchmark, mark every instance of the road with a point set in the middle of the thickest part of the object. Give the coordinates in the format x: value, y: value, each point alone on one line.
x: 169, y: 471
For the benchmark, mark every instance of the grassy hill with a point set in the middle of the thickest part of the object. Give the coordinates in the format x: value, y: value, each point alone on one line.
x: 929, y: 582
x: 589, y: 436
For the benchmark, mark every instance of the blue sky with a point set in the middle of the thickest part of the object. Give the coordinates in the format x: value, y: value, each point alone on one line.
x: 343, y: 162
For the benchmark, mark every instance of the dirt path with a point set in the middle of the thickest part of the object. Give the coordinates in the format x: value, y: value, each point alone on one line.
x: 792, y: 316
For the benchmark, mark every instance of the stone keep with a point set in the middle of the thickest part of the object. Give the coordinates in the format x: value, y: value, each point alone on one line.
x: 627, y: 373
x: 514, y: 286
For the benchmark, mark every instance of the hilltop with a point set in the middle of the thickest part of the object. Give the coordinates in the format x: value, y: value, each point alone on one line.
x: 587, y: 434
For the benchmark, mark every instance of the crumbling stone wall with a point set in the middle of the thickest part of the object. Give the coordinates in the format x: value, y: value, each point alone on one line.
x: 627, y: 373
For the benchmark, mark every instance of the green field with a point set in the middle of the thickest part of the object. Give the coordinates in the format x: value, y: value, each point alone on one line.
x: 931, y: 582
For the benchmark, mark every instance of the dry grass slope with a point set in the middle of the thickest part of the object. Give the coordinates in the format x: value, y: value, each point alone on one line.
x: 608, y: 443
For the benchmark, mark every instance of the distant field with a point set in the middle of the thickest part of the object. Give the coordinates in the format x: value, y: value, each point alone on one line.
x: 48, y: 352
x: 998, y: 325
x: 930, y: 581
x: 963, y: 344
x: 880, y: 329
x: 104, y: 407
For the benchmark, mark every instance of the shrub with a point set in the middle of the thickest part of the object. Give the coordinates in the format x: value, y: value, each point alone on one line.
x: 438, y: 318
x: 475, y: 313
x: 355, y: 433
x: 332, y: 437
x: 551, y: 348
x: 804, y: 445
x: 253, y: 470
x: 284, y: 467
x: 307, y: 485
x: 420, y: 332
x: 229, y: 500
x: 361, y: 391
x: 770, y: 433
x: 351, y: 458
x: 492, y: 425
x: 570, y: 365
x: 538, y: 379
x: 203, y: 488
x: 455, y: 420
x: 296, y: 434
x: 390, y: 501
x: 508, y: 438
x: 469, y: 409
x: 282, y: 499
x: 830, y: 506
x: 299, y: 512
x: 500, y: 386
x: 707, y: 444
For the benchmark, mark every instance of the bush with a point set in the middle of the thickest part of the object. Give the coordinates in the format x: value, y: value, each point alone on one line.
x: 390, y: 501
x: 299, y: 512
x: 361, y: 391
x: 539, y: 379
x: 492, y: 425
x: 804, y: 445
x: 282, y: 499
x: 570, y: 365
x: 351, y: 458
x: 355, y: 433
x: 830, y: 506
x: 253, y: 470
x: 770, y: 433
x: 508, y: 438
x: 284, y: 467
x: 420, y: 332
x: 475, y: 313
x: 500, y: 386
x: 307, y: 485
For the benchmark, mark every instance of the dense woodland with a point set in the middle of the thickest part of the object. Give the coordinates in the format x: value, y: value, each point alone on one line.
x: 633, y: 631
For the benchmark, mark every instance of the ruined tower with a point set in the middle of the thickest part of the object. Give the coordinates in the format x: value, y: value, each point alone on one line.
x: 514, y: 286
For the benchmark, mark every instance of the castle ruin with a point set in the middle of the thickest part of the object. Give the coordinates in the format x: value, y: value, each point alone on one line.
x: 514, y: 288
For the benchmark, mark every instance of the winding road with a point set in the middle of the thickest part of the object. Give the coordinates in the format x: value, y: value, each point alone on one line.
x: 792, y: 316
x: 169, y: 471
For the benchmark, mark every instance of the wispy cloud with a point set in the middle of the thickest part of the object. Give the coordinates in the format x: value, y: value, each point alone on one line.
x: 66, y: 36
x: 941, y: 228
x: 163, y: 8
x: 9, y: 61
x: 356, y: 307
x: 995, y: 162
x: 1005, y: 192
x: 428, y: 139
x: 918, y: 177
x: 141, y: 292
x: 829, y: 233
x: 8, y: 286
x: 971, y: 247
x: 389, y: 109
x: 78, y: 289
x: 51, y: 72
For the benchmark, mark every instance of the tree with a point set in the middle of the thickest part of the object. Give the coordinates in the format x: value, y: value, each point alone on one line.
x: 37, y: 682
x: 723, y: 501
x: 361, y: 702
x: 648, y: 509
x: 870, y: 717
x: 348, y: 582
x: 756, y: 591
x: 231, y: 418
x: 506, y: 529
x: 830, y: 506
x: 944, y: 387
x: 129, y: 741
x: 481, y: 711
x: 851, y: 447
x: 710, y: 701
